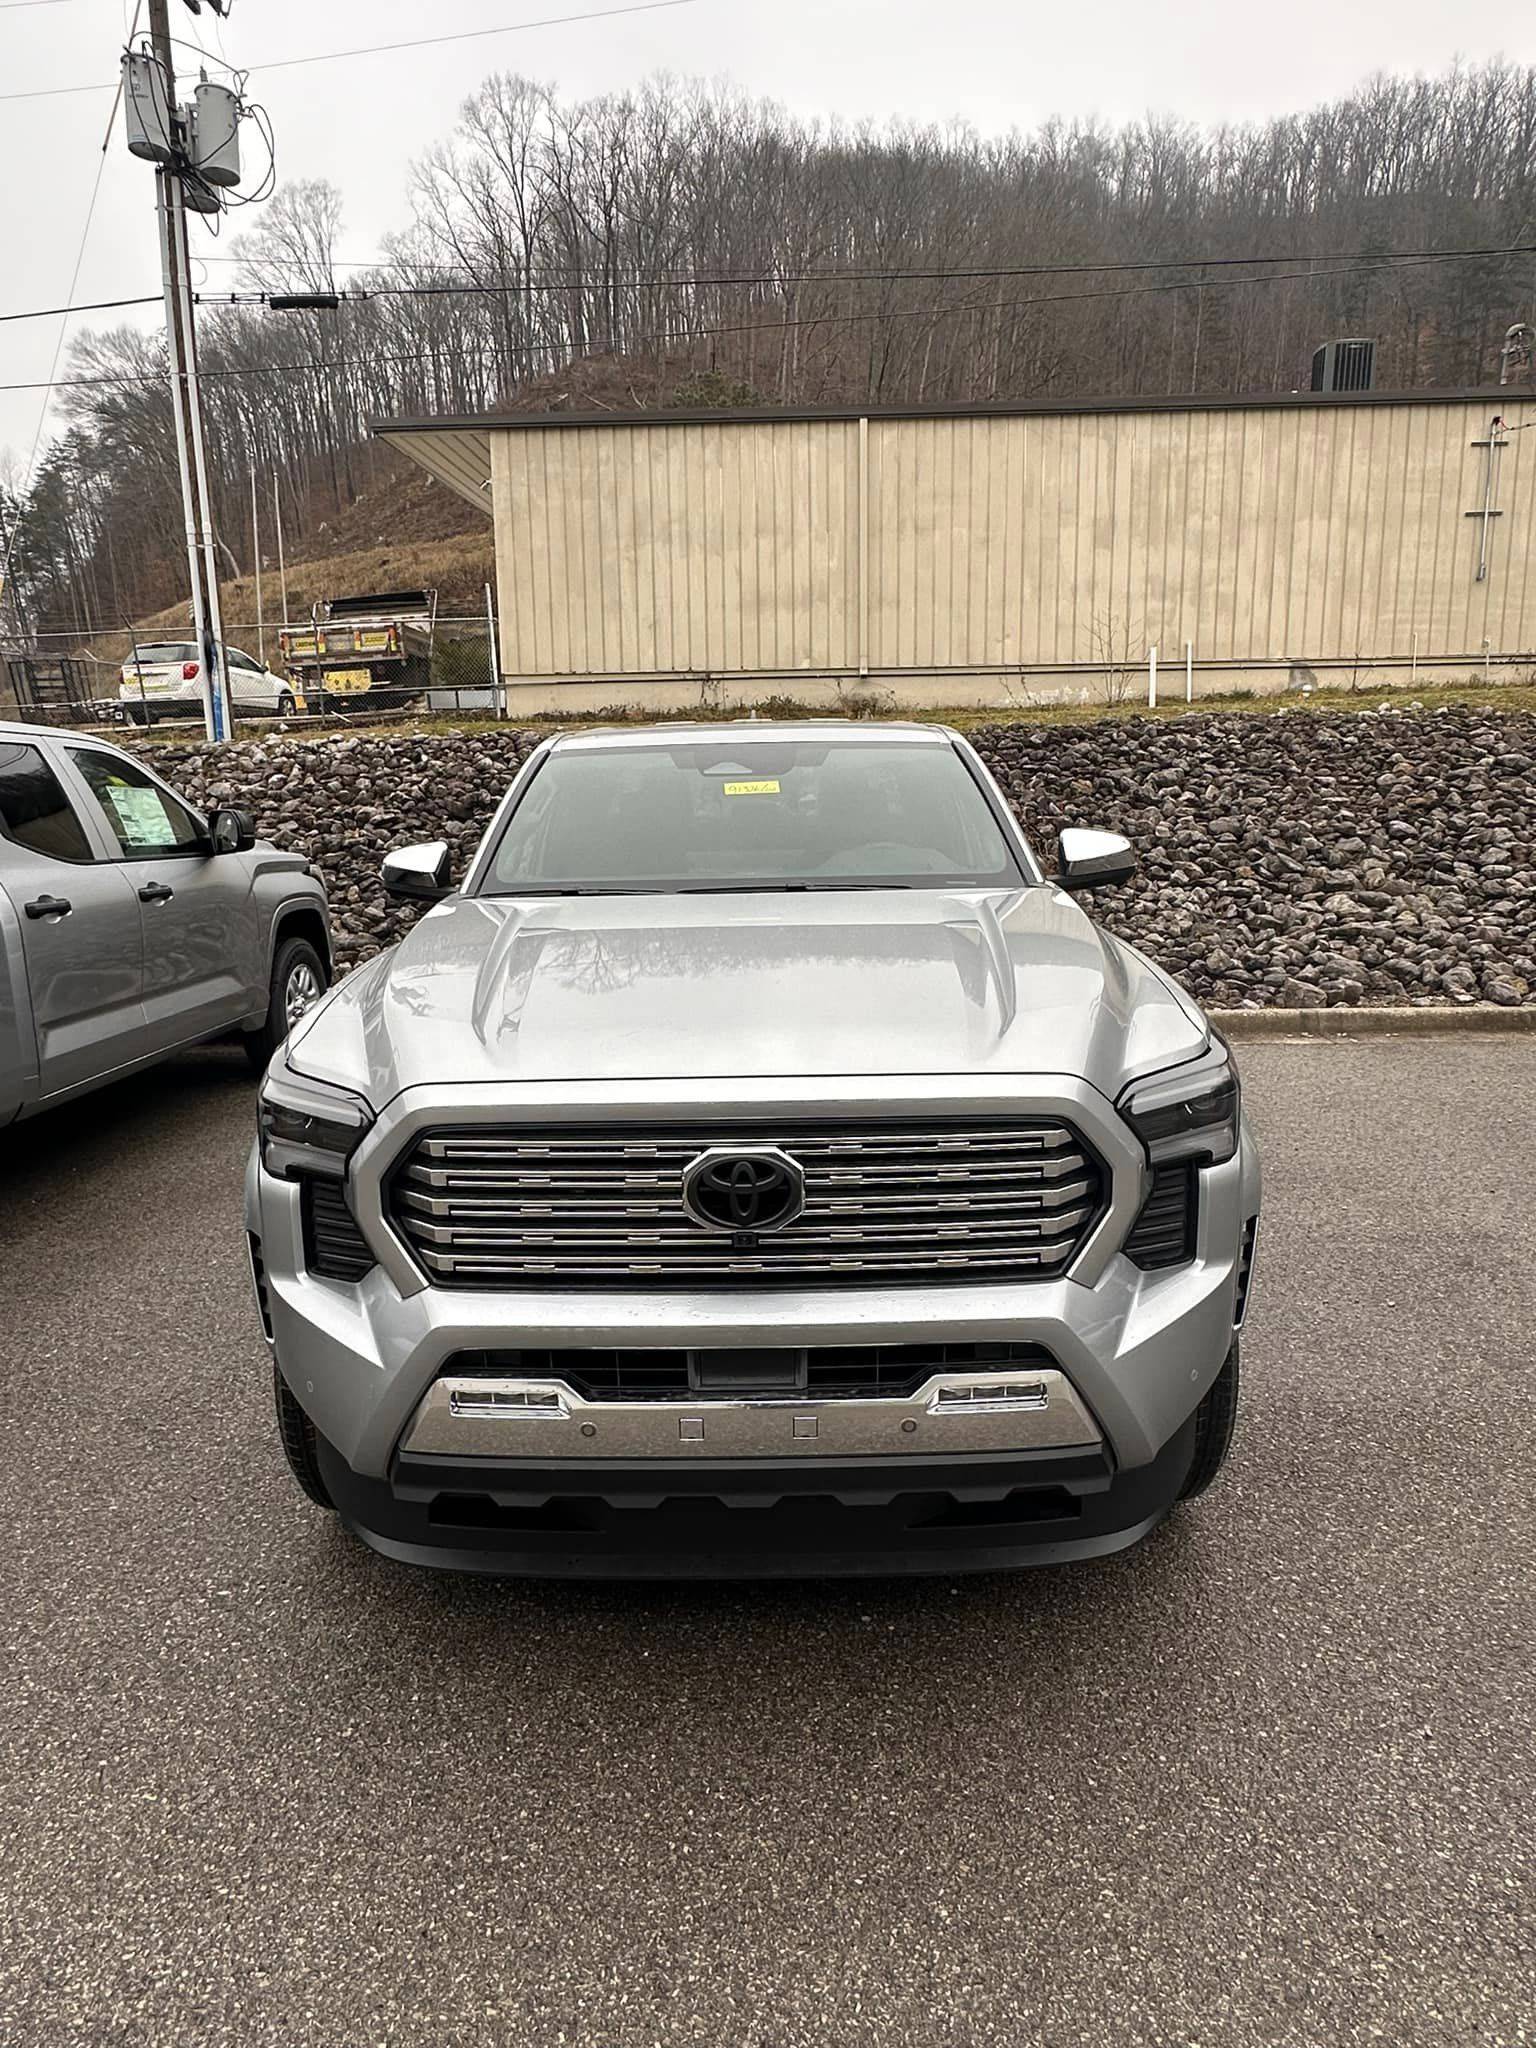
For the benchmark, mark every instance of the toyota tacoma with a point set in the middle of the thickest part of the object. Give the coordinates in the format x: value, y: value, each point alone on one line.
x: 756, y: 1164
x: 133, y: 926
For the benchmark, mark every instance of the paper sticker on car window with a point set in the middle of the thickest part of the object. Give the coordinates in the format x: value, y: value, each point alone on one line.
x: 139, y: 816
x: 752, y: 789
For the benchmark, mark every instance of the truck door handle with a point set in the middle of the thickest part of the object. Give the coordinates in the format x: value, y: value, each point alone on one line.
x: 155, y: 892
x: 49, y: 906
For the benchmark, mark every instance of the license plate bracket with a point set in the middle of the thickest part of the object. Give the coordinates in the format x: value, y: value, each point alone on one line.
x: 780, y: 1370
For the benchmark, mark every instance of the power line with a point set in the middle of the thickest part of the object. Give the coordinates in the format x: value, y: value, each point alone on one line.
x: 699, y: 281
x: 343, y: 262
x: 467, y: 35
x: 862, y: 276
x: 694, y: 334
x: 90, y: 305
x: 980, y: 275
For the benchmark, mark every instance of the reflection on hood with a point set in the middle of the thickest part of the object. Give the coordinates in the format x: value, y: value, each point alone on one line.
x: 911, y: 981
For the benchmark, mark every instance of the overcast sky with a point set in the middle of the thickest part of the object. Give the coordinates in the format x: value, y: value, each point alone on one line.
x: 994, y: 63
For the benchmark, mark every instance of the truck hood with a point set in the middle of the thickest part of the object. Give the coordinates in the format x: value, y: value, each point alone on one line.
x: 658, y: 988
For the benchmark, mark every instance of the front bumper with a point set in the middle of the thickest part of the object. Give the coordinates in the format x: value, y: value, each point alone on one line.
x: 1131, y: 1354
x: 713, y: 1520
x: 1030, y: 1407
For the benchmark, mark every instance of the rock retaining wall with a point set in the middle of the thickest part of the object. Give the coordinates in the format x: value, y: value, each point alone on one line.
x: 1297, y: 859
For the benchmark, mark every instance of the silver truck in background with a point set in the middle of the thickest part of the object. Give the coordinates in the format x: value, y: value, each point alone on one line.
x: 132, y: 926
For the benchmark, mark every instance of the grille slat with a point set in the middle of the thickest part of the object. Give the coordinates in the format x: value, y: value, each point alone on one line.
x: 473, y: 1234
x: 818, y: 1219
x: 504, y: 1271
x: 909, y: 1203
x: 608, y: 1145
x: 890, y: 1212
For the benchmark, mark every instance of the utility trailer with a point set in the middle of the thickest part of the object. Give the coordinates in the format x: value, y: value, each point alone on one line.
x: 367, y: 653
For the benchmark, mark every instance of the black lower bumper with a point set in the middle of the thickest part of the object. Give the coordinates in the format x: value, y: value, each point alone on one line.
x: 726, y: 1519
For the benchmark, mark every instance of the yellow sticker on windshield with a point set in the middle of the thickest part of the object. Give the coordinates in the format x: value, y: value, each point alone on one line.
x: 752, y: 789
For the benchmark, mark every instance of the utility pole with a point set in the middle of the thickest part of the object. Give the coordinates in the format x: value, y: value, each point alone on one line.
x: 261, y: 631
x: 170, y: 201
x: 282, y: 566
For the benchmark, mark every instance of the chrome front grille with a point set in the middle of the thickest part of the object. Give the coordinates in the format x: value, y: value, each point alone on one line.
x: 905, y: 1203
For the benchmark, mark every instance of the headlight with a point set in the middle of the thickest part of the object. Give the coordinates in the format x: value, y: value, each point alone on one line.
x: 308, y: 1126
x: 1191, y: 1112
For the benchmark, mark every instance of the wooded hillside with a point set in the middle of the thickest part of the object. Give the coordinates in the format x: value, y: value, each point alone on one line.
x: 685, y: 245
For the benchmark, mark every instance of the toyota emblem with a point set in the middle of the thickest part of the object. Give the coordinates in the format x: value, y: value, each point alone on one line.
x: 744, y: 1189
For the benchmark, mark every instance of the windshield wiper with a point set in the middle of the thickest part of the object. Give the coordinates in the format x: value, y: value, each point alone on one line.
x: 737, y: 888
x: 777, y: 888
x: 691, y: 889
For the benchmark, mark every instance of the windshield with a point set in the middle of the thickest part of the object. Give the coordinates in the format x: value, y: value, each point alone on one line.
x: 752, y: 814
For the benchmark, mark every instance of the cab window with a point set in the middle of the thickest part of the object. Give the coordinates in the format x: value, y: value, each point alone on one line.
x: 144, y: 819
x: 34, y: 811
x: 161, y: 654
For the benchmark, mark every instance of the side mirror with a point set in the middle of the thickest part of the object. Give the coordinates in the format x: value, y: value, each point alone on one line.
x: 231, y: 831
x: 419, y: 874
x: 1090, y: 860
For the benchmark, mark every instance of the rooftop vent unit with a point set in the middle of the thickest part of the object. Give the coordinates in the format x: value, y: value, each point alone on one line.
x: 1344, y: 366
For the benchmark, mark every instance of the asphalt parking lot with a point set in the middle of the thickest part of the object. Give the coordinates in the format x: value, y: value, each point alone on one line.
x: 1269, y: 1779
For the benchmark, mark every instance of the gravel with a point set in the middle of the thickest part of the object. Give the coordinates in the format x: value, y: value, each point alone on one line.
x: 1297, y: 860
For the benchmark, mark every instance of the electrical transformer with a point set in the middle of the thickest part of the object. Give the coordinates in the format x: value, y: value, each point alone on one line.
x: 215, y: 134
x: 147, y: 108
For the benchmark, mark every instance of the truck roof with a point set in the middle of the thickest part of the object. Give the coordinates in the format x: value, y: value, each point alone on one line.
x: 379, y: 601
x: 843, y: 731
x: 19, y: 729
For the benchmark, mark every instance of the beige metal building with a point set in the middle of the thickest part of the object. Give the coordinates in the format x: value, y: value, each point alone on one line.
x: 1001, y: 554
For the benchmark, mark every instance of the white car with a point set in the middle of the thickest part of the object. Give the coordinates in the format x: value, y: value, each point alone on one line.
x: 164, y: 679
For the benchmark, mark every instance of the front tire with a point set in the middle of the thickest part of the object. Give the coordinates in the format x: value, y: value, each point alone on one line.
x: 1215, y: 1421
x: 299, y: 979
x: 285, y: 705
x: 297, y: 1435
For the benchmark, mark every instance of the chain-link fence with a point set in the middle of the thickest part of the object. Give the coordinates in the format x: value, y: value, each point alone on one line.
x: 61, y: 679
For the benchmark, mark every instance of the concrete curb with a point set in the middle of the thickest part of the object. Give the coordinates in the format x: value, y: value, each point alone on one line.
x: 1346, y: 1021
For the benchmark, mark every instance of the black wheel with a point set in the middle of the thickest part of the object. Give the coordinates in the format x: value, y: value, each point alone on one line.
x: 1215, y: 1420
x: 297, y: 1434
x: 299, y: 980
x: 285, y: 704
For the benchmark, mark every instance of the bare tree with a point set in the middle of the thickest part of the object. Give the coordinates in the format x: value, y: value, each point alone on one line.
x: 1119, y: 648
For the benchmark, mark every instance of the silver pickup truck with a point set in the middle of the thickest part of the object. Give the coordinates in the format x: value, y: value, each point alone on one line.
x: 131, y: 925
x: 757, y: 1164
